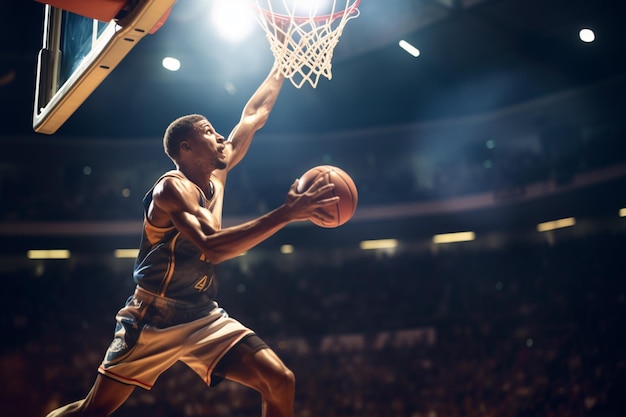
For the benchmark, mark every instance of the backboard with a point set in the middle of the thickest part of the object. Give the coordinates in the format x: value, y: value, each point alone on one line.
x: 79, y: 52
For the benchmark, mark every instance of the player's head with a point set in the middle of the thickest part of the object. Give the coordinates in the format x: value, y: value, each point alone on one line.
x: 179, y: 130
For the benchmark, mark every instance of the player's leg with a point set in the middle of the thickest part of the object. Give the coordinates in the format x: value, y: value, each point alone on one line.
x: 262, y: 370
x: 105, y: 396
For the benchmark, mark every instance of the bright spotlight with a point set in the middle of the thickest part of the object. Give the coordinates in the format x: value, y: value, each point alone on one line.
x: 587, y: 35
x: 170, y: 63
x: 309, y: 7
x: 233, y: 19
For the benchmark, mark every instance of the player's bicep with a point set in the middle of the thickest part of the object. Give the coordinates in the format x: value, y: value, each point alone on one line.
x: 192, y: 228
x: 178, y: 200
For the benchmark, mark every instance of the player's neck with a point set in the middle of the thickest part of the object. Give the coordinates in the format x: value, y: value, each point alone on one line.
x: 201, y: 178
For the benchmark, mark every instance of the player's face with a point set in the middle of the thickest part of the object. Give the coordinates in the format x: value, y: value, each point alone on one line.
x: 211, y: 145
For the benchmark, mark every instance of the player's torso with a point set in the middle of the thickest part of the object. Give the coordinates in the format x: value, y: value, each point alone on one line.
x: 170, y: 265
x: 174, y: 267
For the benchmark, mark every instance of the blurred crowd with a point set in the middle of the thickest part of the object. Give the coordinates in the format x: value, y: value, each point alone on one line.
x: 106, y: 181
x: 524, y: 330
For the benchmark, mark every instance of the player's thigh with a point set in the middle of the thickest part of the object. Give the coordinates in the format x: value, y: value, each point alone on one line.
x: 107, y: 394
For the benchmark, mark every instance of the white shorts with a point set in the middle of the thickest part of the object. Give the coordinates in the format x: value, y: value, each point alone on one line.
x: 145, y: 346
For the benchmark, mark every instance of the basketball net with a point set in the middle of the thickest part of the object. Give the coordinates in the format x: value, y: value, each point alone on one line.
x: 303, y: 34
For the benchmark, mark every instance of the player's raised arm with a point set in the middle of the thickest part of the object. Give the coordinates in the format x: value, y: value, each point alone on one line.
x: 254, y: 116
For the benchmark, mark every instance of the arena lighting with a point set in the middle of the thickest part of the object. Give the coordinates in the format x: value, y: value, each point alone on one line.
x: 233, y: 19
x: 171, y: 63
x: 622, y: 212
x: 587, y: 35
x: 378, y: 244
x: 409, y: 48
x: 126, y: 253
x: 556, y: 224
x: 48, y: 254
x: 286, y: 249
x: 454, y: 237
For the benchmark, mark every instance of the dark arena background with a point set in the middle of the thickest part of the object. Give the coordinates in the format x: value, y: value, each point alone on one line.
x: 507, y: 128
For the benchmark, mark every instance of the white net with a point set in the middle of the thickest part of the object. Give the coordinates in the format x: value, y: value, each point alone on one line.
x: 303, y: 34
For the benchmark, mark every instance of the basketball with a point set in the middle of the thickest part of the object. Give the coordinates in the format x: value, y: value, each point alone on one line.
x: 344, y: 188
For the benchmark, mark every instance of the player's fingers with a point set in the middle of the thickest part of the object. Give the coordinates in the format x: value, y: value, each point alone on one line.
x: 321, y: 187
x: 319, y: 184
x: 322, y: 215
x: 327, y: 201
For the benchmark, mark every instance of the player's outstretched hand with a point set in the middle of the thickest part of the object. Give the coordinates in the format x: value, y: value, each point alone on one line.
x: 305, y: 205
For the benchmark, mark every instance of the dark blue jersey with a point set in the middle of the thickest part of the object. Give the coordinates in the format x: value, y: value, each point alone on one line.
x: 171, y: 266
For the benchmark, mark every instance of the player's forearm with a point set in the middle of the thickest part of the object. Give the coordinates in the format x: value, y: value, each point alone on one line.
x: 262, y: 101
x: 255, y: 115
x: 231, y: 242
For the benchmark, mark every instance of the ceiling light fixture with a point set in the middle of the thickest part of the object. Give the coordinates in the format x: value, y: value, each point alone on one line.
x: 587, y: 35
x: 556, y: 224
x: 409, y: 48
x: 170, y: 63
x: 378, y: 244
x: 286, y: 249
x: 126, y: 253
x: 454, y: 237
x: 48, y: 254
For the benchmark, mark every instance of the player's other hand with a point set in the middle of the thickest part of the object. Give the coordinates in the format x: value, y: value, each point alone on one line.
x: 305, y: 205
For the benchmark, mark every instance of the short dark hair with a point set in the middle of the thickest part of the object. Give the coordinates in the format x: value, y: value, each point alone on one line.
x: 179, y: 130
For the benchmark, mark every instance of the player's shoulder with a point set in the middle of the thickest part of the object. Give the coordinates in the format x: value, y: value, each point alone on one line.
x: 172, y: 174
x: 171, y: 184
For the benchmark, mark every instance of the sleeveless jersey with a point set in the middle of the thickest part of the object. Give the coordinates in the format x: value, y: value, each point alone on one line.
x: 169, y: 265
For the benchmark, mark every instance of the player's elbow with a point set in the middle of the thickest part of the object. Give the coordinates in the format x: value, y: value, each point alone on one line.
x: 219, y: 256
x: 257, y: 118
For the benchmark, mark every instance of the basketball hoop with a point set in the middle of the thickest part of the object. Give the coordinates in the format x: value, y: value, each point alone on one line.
x: 303, y: 34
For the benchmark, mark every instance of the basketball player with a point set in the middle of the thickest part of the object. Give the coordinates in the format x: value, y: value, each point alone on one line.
x: 172, y: 315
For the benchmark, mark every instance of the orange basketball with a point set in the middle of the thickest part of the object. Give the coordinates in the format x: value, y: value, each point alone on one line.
x: 344, y: 188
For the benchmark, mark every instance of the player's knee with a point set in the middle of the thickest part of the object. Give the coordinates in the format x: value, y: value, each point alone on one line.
x: 289, y: 378
x: 282, y: 382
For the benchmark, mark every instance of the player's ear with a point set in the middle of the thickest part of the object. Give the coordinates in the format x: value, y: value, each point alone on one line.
x: 185, y: 146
